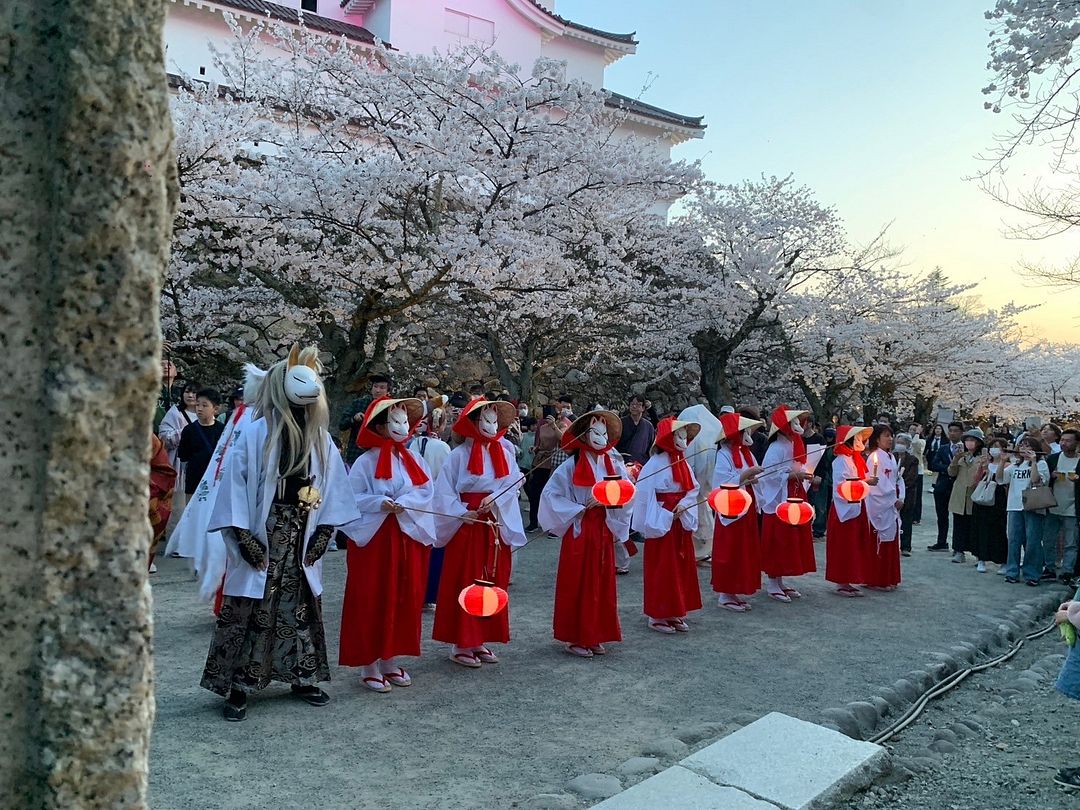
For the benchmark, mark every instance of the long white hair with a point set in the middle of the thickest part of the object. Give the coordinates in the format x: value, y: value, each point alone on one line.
x: 271, y: 403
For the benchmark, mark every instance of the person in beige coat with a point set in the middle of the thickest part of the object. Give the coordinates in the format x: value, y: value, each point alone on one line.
x: 964, y: 467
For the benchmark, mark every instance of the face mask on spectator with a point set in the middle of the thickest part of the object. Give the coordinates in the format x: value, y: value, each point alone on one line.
x: 902, y: 448
x: 995, y: 452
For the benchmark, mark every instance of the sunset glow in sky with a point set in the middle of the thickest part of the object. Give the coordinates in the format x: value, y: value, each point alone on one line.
x: 874, y: 105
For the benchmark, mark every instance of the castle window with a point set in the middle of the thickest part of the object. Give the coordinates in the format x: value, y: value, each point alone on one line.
x: 467, y: 27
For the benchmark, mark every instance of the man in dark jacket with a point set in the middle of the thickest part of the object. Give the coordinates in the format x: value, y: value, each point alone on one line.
x: 939, y: 463
x: 909, y: 471
x: 638, y: 432
x: 759, y: 438
x: 354, y: 414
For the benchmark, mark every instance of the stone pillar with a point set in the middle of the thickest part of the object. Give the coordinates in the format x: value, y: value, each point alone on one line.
x: 86, y: 198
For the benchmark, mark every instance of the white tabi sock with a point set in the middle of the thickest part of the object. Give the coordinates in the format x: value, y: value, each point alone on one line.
x: 774, y: 584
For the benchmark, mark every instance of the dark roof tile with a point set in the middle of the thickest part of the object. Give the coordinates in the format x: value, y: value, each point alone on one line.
x: 633, y: 105
x: 626, y: 39
x: 312, y: 21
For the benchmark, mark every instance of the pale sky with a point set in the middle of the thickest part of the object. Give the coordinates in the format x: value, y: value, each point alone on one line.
x: 874, y: 104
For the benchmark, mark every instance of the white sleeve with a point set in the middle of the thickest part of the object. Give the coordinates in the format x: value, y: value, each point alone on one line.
x: 231, y: 507
x: 647, y: 516
x: 338, y: 504
x: 772, y: 485
x: 618, y: 520
x: 506, y: 507
x: 559, y: 509
x: 688, y: 503
x: 448, y: 501
x: 420, y: 526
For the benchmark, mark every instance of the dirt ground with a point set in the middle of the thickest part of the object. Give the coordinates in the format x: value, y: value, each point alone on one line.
x: 1020, y: 733
x: 493, y: 737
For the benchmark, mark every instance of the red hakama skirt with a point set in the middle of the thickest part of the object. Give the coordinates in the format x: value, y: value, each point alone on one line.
x: 786, y: 550
x: 736, y: 555
x: 384, y: 592
x: 881, y: 565
x: 586, y: 599
x: 846, y: 546
x: 670, y: 569
x: 470, y: 555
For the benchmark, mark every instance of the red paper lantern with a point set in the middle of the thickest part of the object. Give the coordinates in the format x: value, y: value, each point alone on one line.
x: 613, y: 491
x: 795, y: 512
x: 730, y: 501
x: 482, y: 599
x: 853, y: 490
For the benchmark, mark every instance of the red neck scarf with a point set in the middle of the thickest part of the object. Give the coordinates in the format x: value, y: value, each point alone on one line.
x: 847, y: 450
x: 388, y: 448
x: 739, y: 454
x: 384, y: 468
x: 584, y: 475
x: 680, y: 470
x: 466, y: 426
x: 733, y: 437
x: 783, y: 426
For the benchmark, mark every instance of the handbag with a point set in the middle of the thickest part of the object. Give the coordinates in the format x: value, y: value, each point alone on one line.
x: 1040, y: 497
x: 985, y: 492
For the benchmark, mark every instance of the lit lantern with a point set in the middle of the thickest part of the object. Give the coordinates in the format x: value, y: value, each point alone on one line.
x: 730, y: 501
x: 482, y: 599
x: 613, y: 491
x: 853, y: 490
x: 795, y: 512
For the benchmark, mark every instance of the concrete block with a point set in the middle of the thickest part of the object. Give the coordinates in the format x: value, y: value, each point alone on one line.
x: 679, y: 788
x: 791, y: 763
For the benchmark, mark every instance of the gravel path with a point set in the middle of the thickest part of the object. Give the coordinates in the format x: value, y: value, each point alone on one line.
x: 476, y: 739
x: 995, y: 741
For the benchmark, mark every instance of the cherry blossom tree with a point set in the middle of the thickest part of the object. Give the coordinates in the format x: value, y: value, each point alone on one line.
x: 331, y: 192
x: 761, y: 245
x: 1034, y: 69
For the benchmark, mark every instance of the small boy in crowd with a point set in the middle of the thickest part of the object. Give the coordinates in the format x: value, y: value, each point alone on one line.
x: 199, y: 439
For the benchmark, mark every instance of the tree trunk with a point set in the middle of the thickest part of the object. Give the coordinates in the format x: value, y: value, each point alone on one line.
x: 87, y: 193
x: 353, y: 363
x: 713, y: 359
x: 924, y: 409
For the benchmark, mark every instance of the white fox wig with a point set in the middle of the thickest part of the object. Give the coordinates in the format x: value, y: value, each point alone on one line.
x: 271, y: 402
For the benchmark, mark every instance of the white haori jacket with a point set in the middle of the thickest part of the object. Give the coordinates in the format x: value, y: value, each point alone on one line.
x: 455, y: 479
x: 562, y: 505
x: 772, y: 485
x: 190, y: 537
x: 370, y: 492
x: 247, y: 493
x: 881, y: 502
x: 726, y: 472
x: 648, y: 516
